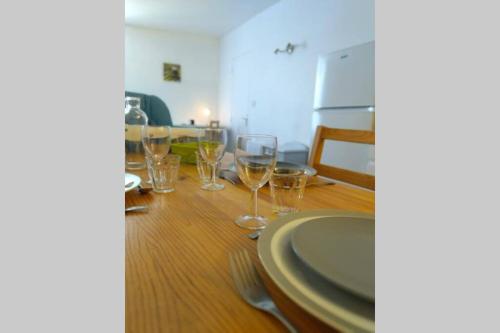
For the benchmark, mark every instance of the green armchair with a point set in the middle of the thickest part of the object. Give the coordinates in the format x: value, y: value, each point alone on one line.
x: 156, y: 110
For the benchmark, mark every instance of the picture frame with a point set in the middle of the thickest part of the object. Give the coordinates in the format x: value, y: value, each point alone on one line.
x: 171, y: 72
x: 214, y: 123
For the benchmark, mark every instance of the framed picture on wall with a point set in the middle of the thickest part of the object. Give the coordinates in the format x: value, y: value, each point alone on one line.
x: 171, y: 72
x: 214, y: 124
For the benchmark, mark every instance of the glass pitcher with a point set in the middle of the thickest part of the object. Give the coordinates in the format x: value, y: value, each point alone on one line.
x: 135, y: 120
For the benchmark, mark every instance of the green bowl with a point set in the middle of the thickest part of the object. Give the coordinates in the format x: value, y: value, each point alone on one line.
x: 186, y: 150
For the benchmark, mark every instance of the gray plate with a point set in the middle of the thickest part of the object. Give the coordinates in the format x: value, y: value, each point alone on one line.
x: 328, y: 302
x: 341, y: 249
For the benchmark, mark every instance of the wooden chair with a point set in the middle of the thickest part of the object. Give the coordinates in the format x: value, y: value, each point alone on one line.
x: 336, y: 134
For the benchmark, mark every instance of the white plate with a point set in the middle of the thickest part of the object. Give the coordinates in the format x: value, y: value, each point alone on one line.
x: 323, y: 299
x: 131, y: 178
x: 341, y: 249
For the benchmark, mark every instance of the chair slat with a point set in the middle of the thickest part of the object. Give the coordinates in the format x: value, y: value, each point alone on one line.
x: 346, y: 135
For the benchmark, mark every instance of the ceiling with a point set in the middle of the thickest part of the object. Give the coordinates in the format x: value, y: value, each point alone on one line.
x: 212, y: 17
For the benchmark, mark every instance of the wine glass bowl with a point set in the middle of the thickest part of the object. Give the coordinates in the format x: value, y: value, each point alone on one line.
x: 211, y: 152
x: 254, y: 171
x: 255, y: 159
x: 156, y: 141
x: 211, y: 145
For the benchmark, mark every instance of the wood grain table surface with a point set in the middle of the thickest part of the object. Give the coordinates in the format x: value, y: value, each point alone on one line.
x: 177, y: 271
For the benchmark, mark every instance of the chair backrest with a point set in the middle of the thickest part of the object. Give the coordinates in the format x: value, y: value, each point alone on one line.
x: 346, y: 135
x: 156, y: 110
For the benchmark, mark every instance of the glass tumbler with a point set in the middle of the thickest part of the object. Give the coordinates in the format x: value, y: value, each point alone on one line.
x: 164, y: 172
x: 287, y: 189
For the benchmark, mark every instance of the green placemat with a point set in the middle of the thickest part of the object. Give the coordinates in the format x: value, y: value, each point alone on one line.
x: 186, y: 151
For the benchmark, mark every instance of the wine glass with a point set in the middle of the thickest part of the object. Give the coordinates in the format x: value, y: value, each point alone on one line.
x: 156, y: 140
x: 211, y: 145
x: 255, y: 158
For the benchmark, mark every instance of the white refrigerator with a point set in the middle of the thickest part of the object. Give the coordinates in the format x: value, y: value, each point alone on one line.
x: 345, y: 98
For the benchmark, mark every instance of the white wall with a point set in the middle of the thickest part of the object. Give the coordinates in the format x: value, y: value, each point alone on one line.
x: 280, y: 91
x: 145, y: 52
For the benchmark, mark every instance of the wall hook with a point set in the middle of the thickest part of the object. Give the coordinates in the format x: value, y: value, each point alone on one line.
x: 289, y: 49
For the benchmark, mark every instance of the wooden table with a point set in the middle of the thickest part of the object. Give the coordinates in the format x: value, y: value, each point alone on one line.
x: 177, y: 271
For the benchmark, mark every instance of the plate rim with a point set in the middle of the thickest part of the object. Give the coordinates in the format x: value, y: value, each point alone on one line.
x: 136, y: 180
x: 348, y: 286
x: 310, y: 171
x: 265, y: 254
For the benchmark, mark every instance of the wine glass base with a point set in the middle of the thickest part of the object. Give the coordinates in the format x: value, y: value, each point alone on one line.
x: 252, y: 222
x: 212, y: 187
x: 168, y: 190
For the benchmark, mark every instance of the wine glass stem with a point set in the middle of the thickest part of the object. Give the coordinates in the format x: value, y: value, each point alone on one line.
x: 214, y: 167
x: 254, y: 202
